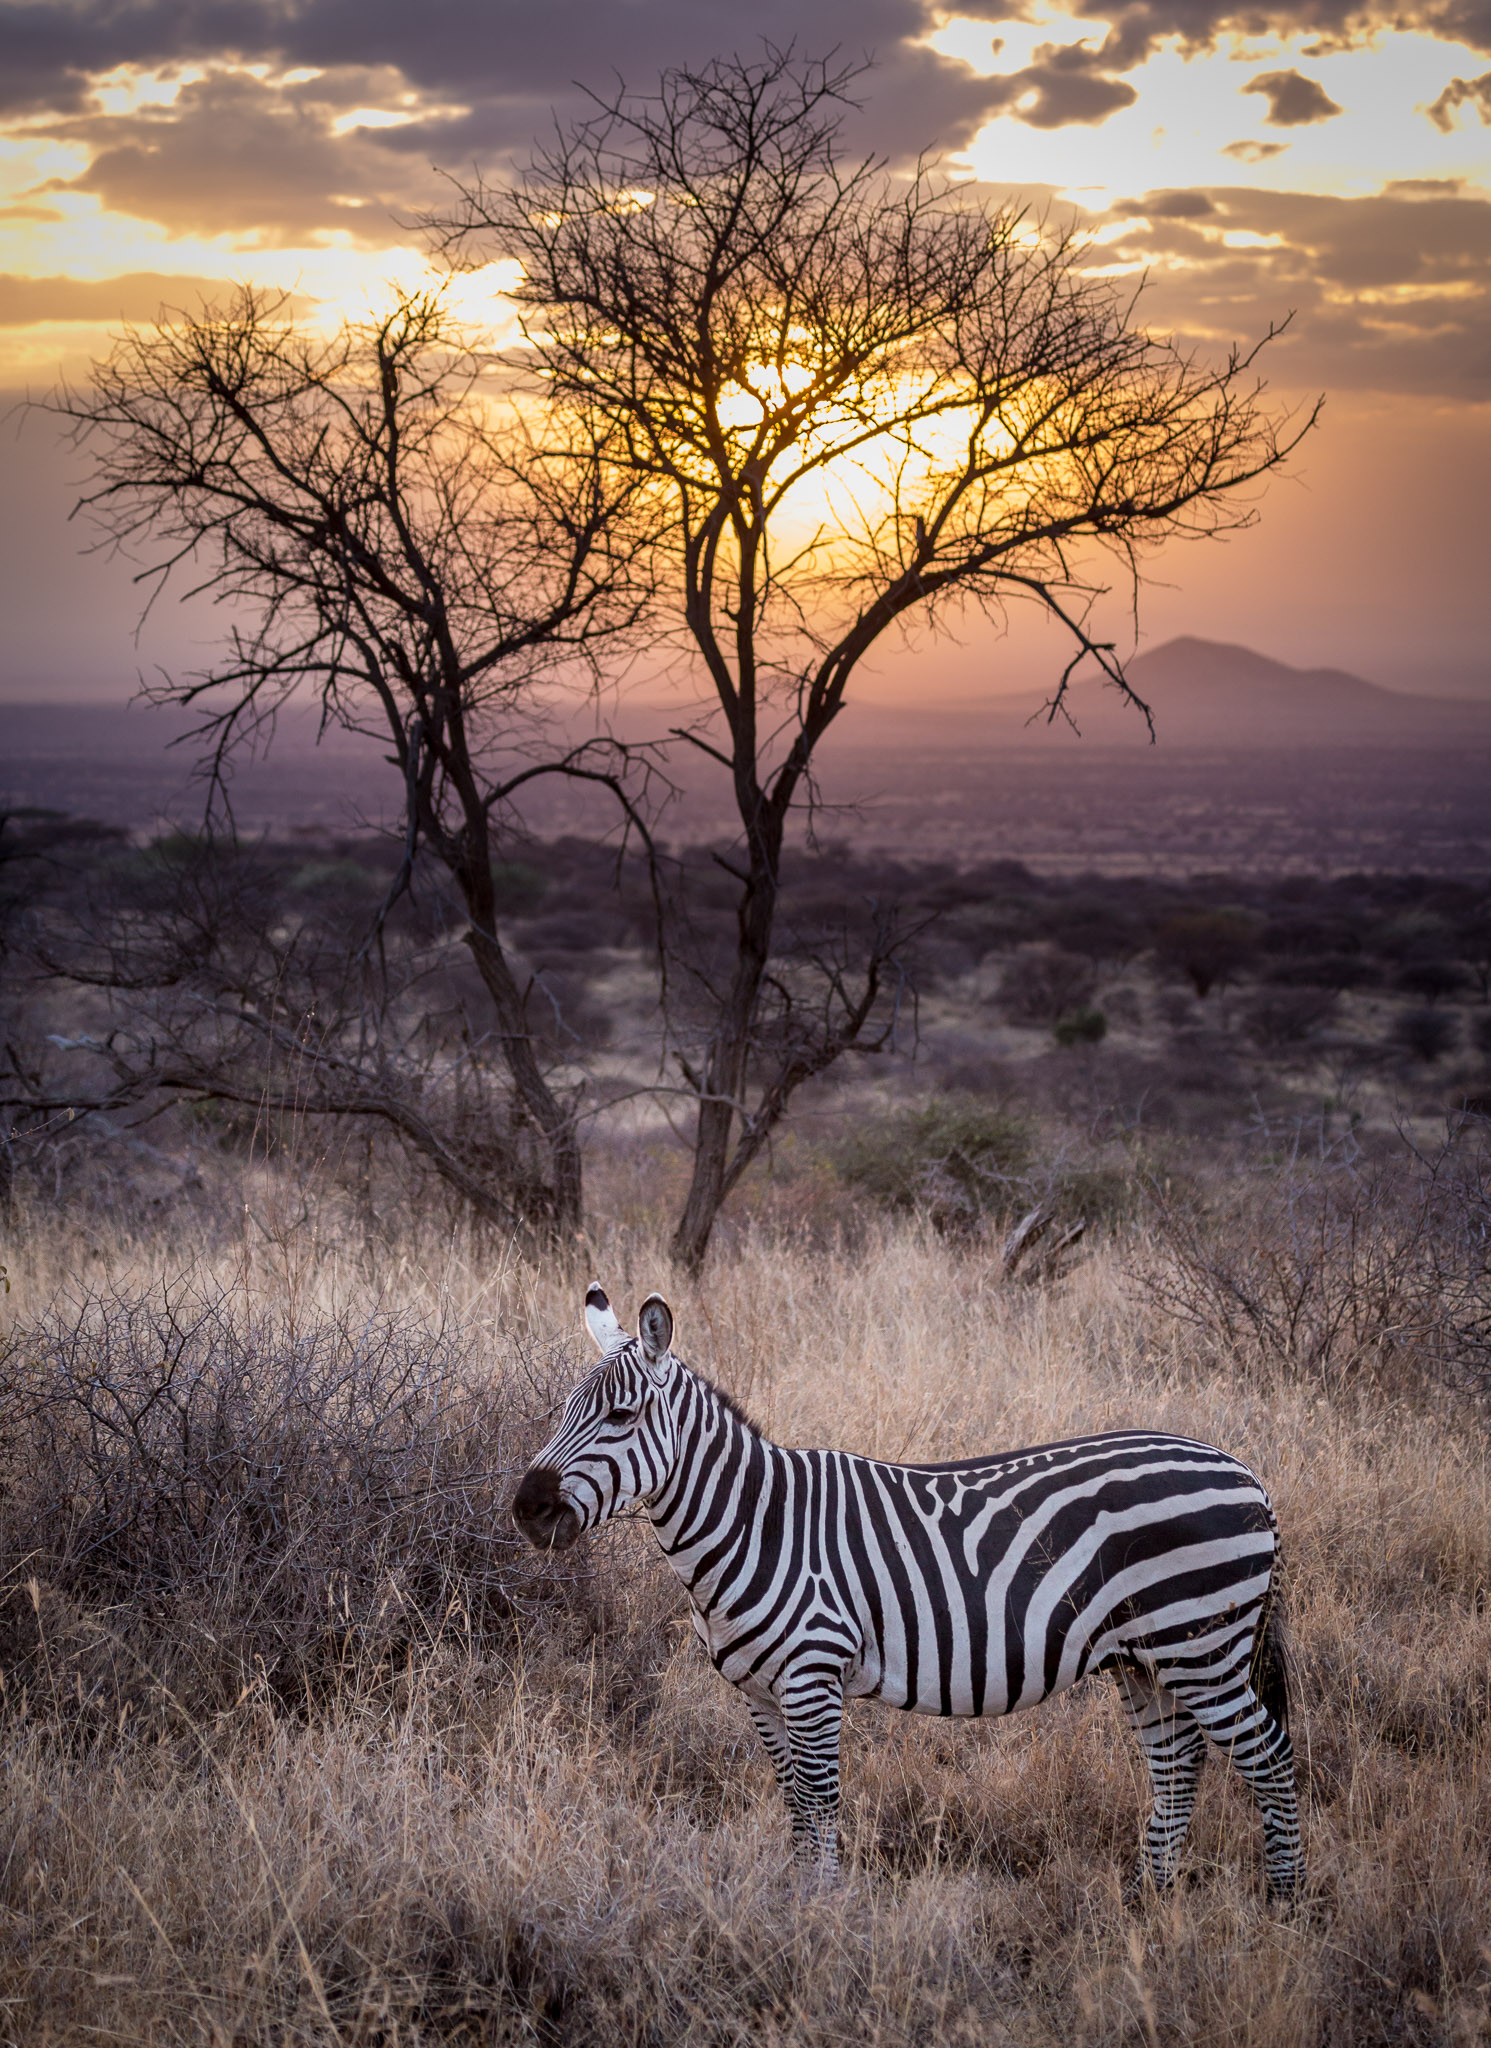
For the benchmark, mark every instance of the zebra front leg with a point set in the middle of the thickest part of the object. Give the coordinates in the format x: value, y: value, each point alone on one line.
x: 813, y: 1714
x: 1174, y: 1750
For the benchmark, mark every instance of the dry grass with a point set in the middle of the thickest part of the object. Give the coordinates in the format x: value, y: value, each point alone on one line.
x: 550, y: 1824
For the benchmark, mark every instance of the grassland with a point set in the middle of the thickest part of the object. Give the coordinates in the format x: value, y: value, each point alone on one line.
x: 296, y: 1748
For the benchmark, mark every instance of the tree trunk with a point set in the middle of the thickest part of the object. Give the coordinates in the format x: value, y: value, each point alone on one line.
x: 559, y: 1212
x: 725, y: 1070
x: 564, y: 1202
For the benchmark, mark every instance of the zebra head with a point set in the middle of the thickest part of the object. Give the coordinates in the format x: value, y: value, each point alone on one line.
x: 617, y: 1439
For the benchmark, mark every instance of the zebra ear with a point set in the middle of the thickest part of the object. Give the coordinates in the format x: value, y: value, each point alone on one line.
x: 655, y: 1328
x: 600, y: 1319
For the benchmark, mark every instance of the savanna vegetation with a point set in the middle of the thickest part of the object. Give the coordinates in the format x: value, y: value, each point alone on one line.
x: 302, y: 1744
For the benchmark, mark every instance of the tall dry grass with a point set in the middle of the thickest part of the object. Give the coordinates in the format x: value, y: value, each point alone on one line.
x: 542, y: 1817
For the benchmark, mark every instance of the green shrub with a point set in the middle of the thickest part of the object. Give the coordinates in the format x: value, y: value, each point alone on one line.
x: 519, y: 888
x: 1093, y: 1194
x: 1426, y: 1034
x: 1206, y: 946
x: 1082, y: 1026
x: 955, y: 1160
x: 336, y: 878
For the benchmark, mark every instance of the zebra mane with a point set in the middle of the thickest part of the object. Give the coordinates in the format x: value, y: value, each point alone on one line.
x: 727, y: 1401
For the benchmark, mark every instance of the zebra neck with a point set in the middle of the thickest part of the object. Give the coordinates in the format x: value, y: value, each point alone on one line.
x: 711, y: 1503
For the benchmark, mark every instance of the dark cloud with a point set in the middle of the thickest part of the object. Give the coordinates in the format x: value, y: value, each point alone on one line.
x: 508, y: 62
x: 1253, y: 152
x: 233, y: 154
x: 1063, y: 83
x: 1185, y: 205
x: 1475, y: 92
x: 1134, y: 27
x: 1390, y: 292
x: 139, y: 295
x: 1294, y: 101
x: 246, y: 154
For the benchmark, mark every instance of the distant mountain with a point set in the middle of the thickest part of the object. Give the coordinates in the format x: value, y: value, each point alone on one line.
x: 1202, y: 693
x: 1208, y: 690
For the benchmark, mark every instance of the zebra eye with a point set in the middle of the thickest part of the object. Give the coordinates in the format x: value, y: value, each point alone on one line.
x: 619, y: 1415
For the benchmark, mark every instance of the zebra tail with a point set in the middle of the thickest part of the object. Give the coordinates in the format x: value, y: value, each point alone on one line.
x: 1270, y: 1668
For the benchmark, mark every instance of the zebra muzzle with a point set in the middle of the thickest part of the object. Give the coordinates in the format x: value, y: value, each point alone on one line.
x: 545, y: 1518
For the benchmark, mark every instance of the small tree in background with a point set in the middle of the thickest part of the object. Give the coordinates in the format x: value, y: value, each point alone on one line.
x: 1206, y: 946
x: 1426, y: 1034
x: 847, y: 402
x: 394, y: 544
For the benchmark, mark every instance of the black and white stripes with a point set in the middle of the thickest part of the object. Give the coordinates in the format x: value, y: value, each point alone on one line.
x: 977, y: 1587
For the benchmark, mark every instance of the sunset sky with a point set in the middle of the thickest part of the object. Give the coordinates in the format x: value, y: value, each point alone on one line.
x: 1294, y: 155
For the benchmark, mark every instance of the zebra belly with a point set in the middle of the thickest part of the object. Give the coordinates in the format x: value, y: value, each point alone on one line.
x: 874, y: 1677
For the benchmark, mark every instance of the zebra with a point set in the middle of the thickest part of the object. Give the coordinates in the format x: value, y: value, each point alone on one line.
x: 977, y: 1587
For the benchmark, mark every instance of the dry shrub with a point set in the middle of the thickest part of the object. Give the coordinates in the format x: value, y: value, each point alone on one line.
x: 1344, y: 1270
x: 1042, y: 983
x: 252, y: 1497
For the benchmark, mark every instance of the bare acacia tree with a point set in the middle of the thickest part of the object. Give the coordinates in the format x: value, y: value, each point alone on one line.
x: 393, y: 543
x: 849, y: 401
x: 224, y: 984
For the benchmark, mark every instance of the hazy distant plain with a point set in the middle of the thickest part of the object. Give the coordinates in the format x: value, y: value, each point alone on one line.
x: 1057, y: 804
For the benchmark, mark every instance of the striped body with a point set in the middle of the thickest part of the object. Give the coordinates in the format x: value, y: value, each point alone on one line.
x: 977, y: 1587
x: 972, y: 1588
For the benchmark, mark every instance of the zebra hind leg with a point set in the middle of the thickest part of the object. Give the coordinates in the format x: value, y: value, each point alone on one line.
x: 1255, y: 1741
x: 1174, y: 1749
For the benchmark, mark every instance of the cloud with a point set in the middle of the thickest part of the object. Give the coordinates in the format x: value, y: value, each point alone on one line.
x: 1459, y: 91
x: 1135, y: 27
x: 139, y: 295
x: 248, y: 155
x: 1389, y: 292
x: 241, y: 151
x: 236, y: 154
x: 507, y: 62
x: 1066, y: 82
x: 1294, y: 101
x: 1184, y: 205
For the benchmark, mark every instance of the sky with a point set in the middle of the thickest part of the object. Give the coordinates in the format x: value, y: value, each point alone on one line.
x: 1243, y: 162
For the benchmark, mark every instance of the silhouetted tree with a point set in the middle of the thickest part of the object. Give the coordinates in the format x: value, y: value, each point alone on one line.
x: 848, y: 401
x: 392, y: 542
